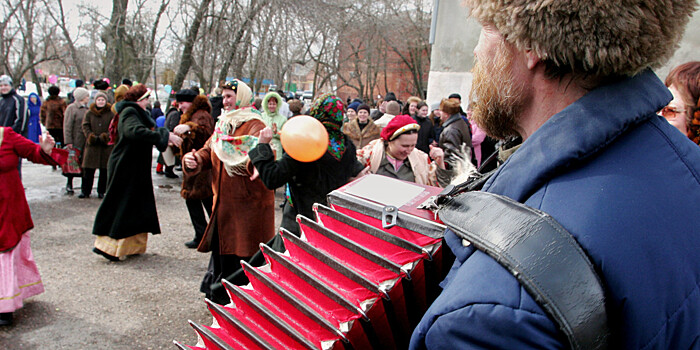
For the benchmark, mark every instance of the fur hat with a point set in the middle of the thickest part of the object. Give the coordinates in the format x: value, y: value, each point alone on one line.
x: 599, y: 38
x: 397, y: 126
x: 54, y: 90
x: 185, y: 95
x: 100, y: 85
x: 80, y: 93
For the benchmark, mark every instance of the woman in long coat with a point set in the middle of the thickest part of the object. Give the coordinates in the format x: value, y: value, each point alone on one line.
x: 128, y: 211
x: 19, y: 276
x: 97, y: 148
x: 196, y: 126
x: 244, y: 213
x: 73, y: 128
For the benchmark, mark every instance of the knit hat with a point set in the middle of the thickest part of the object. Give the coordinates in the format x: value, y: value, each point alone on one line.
x: 328, y: 109
x: 127, y: 82
x: 54, y: 90
x: 363, y: 106
x: 599, y: 38
x: 79, y: 83
x: 354, y: 106
x: 5, y: 80
x: 101, y: 94
x: 80, y: 94
x: 120, y: 92
x: 100, y: 85
x: 390, y: 97
x: 397, y: 126
x: 455, y: 95
x: 185, y: 95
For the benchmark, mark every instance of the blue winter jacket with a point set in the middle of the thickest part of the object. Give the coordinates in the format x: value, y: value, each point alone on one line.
x: 626, y: 185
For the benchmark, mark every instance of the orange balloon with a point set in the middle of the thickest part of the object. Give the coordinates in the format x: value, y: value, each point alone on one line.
x: 304, y: 138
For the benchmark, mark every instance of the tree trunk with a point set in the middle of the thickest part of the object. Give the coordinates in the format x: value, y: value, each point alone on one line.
x: 113, y: 37
x: 186, y: 58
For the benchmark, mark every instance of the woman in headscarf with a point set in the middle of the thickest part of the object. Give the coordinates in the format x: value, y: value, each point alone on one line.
x: 34, y: 125
x: 310, y: 182
x: 243, y: 213
x: 271, y: 105
x: 128, y: 211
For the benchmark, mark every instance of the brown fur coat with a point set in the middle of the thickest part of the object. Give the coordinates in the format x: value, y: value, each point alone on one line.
x: 201, y: 124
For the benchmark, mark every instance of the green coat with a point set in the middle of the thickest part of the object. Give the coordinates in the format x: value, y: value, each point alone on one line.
x: 274, y: 118
x: 129, y: 206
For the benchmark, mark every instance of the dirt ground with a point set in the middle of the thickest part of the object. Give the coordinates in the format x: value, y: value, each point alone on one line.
x: 143, y: 302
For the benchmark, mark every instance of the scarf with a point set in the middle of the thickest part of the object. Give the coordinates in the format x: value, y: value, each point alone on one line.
x: 328, y: 109
x: 233, y: 150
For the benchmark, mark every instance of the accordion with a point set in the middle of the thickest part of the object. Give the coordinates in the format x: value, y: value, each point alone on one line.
x: 360, y: 276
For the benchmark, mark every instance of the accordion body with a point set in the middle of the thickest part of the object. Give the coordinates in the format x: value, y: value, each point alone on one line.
x: 361, y: 276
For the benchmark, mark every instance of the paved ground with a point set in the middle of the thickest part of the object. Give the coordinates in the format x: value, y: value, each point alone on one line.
x: 143, y: 302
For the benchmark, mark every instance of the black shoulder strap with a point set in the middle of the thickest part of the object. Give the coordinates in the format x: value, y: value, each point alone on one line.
x: 541, y: 254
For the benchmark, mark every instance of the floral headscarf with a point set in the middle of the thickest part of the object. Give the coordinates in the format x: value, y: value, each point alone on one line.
x: 233, y: 151
x: 328, y: 109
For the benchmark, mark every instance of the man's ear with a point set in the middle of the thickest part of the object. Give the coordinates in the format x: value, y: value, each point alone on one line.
x: 532, y: 59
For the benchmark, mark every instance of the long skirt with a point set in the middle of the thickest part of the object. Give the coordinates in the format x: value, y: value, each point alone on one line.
x: 19, y: 276
x: 135, y: 244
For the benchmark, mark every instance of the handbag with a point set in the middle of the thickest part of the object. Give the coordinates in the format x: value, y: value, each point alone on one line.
x: 72, y: 165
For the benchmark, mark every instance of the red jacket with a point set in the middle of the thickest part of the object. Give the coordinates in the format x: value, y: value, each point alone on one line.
x: 15, y: 218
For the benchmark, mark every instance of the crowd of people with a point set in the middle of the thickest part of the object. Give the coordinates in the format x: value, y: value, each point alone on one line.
x: 228, y: 149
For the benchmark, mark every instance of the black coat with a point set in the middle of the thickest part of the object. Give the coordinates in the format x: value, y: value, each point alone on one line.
x: 309, y: 183
x: 129, y: 206
x: 426, y: 134
x: 455, y: 133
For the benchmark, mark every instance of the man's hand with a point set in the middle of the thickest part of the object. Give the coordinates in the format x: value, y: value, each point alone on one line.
x: 265, y: 135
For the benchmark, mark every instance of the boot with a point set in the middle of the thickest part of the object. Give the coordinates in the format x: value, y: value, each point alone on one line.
x: 69, y: 187
x: 5, y: 319
x: 169, y: 172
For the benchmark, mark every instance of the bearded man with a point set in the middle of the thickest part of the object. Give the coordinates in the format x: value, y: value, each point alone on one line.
x: 574, y: 80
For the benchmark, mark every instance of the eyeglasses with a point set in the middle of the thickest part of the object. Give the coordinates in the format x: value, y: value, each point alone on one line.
x: 670, y: 112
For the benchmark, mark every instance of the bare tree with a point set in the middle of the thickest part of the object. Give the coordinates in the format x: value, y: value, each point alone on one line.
x: 186, y: 58
x: 113, y: 37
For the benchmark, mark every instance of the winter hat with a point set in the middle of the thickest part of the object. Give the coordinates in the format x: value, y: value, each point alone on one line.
x: 363, y: 106
x: 354, y: 106
x: 397, y: 126
x: 393, y: 108
x: 5, y: 80
x: 455, y: 95
x: 79, y: 83
x: 185, y: 95
x: 599, y: 38
x: 127, y: 82
x: 54, y: 91
x: 100, y: 85
x: 101, y: 94
x: 390, y: 97
x: 80, y: 93
x: 120, y: 92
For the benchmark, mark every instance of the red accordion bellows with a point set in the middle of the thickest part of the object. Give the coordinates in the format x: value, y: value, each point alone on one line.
x: 347, y: 283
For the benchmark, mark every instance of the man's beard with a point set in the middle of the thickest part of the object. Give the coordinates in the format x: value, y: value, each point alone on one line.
x: 496, y: 100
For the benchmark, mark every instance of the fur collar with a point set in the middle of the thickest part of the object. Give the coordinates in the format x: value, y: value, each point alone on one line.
x: 107, y: 108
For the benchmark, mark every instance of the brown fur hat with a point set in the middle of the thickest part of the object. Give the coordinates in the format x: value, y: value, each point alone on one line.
x: 601, y: 37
